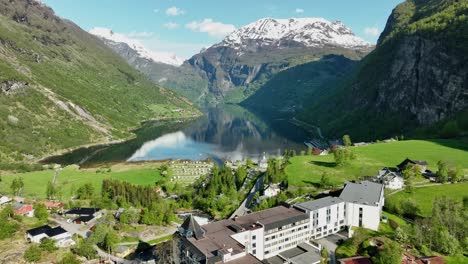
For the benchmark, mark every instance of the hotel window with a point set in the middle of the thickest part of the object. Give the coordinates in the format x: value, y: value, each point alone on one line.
x: 254, y: 251
x: 254, y: 237
x: 254, y: 244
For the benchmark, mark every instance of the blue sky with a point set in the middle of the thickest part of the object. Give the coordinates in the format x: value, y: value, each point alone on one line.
x: 186, y: 26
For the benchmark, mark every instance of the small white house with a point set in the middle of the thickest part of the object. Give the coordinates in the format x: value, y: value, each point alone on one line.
x: 390, y: 178
x: 60, y: 235
x: 5, y: 200
x: 272, y: 190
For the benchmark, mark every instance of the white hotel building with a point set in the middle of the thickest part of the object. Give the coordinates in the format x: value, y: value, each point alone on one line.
x: 280, y: 234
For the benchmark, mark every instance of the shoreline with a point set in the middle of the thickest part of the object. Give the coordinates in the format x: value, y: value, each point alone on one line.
x: 105, y: 143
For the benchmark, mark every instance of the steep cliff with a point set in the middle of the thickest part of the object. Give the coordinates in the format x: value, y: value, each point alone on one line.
x: 61, y: 87
x: 416, y: 77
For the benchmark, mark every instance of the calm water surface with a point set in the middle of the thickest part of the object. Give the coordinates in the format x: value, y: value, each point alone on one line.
x: 228, y: 132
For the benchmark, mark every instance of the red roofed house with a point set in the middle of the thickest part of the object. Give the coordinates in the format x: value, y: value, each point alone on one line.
x: 23, y: 209
x: 53, y: 205
x: 430, y: 260
x: 355, y: 260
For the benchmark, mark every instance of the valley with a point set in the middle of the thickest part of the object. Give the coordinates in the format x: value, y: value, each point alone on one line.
x: 251, y: 132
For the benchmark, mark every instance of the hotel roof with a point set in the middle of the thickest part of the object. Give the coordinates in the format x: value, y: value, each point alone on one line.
x: 319, y: 203
x: 218, y: 234
x: 365, y: 192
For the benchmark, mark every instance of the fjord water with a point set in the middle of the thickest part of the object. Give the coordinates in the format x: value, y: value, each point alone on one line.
x: 227, y: 132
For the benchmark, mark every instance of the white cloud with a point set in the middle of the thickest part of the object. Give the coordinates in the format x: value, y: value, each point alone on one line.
x: 171, y: 25
x: 174, y: 11
x: 371, y: 31
x: 213, y: 28
x: 299, y: 10
x: 143, y: 34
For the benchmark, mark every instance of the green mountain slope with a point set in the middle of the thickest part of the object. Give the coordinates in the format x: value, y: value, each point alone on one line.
x: 416, y: 78
x: 60, y: 87
x: 289, y: 92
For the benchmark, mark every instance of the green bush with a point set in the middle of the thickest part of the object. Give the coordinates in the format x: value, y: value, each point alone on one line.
x: 33, y: 253
x: 393, y: 224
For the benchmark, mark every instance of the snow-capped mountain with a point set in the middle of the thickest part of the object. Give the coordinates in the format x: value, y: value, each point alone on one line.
x: 309, y: 32
x: 136, y: 45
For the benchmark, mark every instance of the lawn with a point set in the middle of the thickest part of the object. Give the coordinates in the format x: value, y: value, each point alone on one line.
x: 425, y: 195
x: 307, y: 170
x: 71, y: 178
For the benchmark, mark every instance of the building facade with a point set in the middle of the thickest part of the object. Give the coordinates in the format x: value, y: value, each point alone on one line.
x: 282, y: 233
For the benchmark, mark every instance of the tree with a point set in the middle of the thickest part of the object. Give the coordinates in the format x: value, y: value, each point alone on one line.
x: 8, y: 226
x: 411, y: 171
x: 347, y: 141
x: 32, y: 253
x: 51, y: 191
x: 450, y: 129
x: 442, y: 171
x: 410, y: 208
x: 409, y: 185
x: 85, y: 191
x: 69, y: 258
x: 325, y: 181
x: 17, y: 185
x: 400, y: 235
x: 342, y: 156
x: 455, y: 174
x: 390, y: 254
x: 85, y: 249
x: 129, y: 216
x: 40, y: 211
x: 48, y: 244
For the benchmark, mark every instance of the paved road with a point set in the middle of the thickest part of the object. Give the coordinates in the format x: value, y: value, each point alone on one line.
x: 329, y: 243
x: 105, y: 255
x: 243, y: 208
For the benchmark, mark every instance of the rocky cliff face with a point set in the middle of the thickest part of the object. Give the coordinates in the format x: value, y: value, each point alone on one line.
x: 416, y: 77
x: 426, y: 79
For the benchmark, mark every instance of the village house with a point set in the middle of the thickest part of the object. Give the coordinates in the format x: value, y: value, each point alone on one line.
x: 5, y: 200
x: 50, y: 205
x: 421, y: 163
x: 84, y: 215
x: 272, y: 190
x: 355, y: 260
x: 23, y: 209
x: 61, y: 236
x: 391, y: 178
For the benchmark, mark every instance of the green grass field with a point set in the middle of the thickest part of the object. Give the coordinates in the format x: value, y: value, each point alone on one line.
x: 425, y: 195
x: 71, y: 178
x: 307, y: 170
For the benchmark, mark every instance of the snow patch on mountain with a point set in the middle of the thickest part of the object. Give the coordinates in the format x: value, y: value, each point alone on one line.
x: 135, y: 44
x: 310, y: 32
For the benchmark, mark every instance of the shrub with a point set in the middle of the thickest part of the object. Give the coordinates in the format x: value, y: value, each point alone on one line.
x: 393, y: 224
x: 32, y: 253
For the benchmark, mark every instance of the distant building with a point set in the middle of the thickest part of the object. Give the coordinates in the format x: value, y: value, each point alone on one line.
x: 60, y: 235
x: 421, y: 163
x: 280, y: 234
x: 84, y: 215
x: 272, y: 190
x: 23, y: 209
x: 391, y: 178
x: 263, y: 163
x: 50, y: 205
x: 355, y: 260
x: 5, y: 200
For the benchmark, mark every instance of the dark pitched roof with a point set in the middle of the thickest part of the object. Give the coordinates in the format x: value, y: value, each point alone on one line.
x: 403, y: 164
x: 82, y: 211
x: 49, y: 231
x: 191, y: 227
x: 84, y: 218
x: 56, y: 231
x: 39, y: 230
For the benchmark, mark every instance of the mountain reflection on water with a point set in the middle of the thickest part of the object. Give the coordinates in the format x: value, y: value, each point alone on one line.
x: 227, y: 132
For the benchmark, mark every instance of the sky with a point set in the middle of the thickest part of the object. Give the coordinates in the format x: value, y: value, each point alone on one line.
x: 184, y: 27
